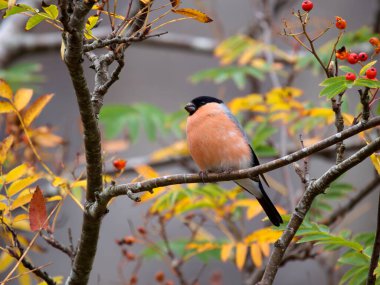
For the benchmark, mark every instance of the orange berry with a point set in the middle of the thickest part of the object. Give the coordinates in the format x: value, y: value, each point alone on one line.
x: 160, y: 276
x: 374, y: 41
x: 129, y: 240
x: 340, y: 23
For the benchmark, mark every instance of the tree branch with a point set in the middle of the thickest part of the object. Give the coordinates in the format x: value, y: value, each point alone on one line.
x: 73, y: 58
x: 99, y: 207
x: 376, y: 251
x: 315, y: 188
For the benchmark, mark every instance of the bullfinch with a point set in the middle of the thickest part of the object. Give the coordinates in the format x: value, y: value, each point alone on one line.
x: 218, y: 143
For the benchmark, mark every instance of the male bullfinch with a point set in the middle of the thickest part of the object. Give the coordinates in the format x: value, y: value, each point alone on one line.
x: 217, y: 143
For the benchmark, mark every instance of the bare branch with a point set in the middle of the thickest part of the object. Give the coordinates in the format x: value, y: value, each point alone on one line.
x: 376, y: 251
x: 56, y: 244
x: 315, y: 188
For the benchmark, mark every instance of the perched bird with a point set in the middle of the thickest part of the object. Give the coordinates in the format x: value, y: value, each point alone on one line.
x: 218, y: 143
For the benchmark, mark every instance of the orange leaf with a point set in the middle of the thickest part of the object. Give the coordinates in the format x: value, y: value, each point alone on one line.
x: 35, y: 109
x: 241, y: 253
x: 175, y: 3
x: 226, y: 251
x: 256, y: 255
x: 37, y: 211
x: 5, y: 90
x: 22, y: 98
x: 194, y: 14
x: 4, y: 148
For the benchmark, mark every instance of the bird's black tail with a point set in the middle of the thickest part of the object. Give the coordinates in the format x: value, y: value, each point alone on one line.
x: 269, y: 208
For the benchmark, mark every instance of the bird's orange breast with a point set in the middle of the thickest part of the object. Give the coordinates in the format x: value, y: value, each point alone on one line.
x: 215, y: 141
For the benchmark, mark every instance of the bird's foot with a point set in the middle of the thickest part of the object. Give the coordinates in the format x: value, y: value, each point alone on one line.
x: 203, y: 174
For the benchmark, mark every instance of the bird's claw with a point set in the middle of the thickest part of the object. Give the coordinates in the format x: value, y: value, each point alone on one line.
x: 203, y: 174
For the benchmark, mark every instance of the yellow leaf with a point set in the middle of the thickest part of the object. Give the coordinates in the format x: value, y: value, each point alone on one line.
x: 256, y: 255
x: 325, y: 113
x: 54, y: 198
x: 251, y: 102
x: 21, y: 184
x: 375, y: 158
x: 5, y: 89
x: 57, y: 279
x: 225, y: 251
x: 241, y: 253
x: 194, y: 14
x: 4, y: 148
x: 35, y: 109
x: 265, y: 235
x: 79, y: 183
x: 23, y: 225
x: 5, y: 107
x: 146, y: 171
x: 5, y: 261
x: 22, y: 98
x: 16, y: 173
x: 24, y: 278
x: 265, y: 249
x: 3, y: 206
x: 254, y: 210
x: 58, y: 181
x: 177, y: 149
x: 21, y: 217
x: 21, y: 200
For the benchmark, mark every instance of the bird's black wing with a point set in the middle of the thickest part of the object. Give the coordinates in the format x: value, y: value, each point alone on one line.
x: 256, y: 162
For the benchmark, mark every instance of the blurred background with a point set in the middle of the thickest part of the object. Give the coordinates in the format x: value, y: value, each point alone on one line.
x: 158, y: 72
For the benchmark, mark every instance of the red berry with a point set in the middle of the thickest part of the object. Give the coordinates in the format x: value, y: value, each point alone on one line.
x: 371, y: 73
x: 141, y: 230
x: 350, y: 76
x: 307, y: 5
x: 129, y: 240
x: 119, y: 164
x: 160, y: 276
x: 363, y: 56
x: 133, y: 280
x: 353, y: 58
x: 340, y: 23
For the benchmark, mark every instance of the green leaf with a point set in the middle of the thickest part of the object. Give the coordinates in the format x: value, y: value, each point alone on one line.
x: 333, y: 89
x: 52, y: 11
x: 262, y: 133
x: 34, y: 21
x: 18, y: 8
x: 367, y: 66
x: 354, y: 258
x: 351, y: 273
x: 266, y: 151
x: 367, y: 83
x: 360, y: 276
x: 332, y: 80
x: 347, y: 69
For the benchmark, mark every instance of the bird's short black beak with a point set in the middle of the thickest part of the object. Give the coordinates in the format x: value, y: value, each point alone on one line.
x: 190, y: 108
